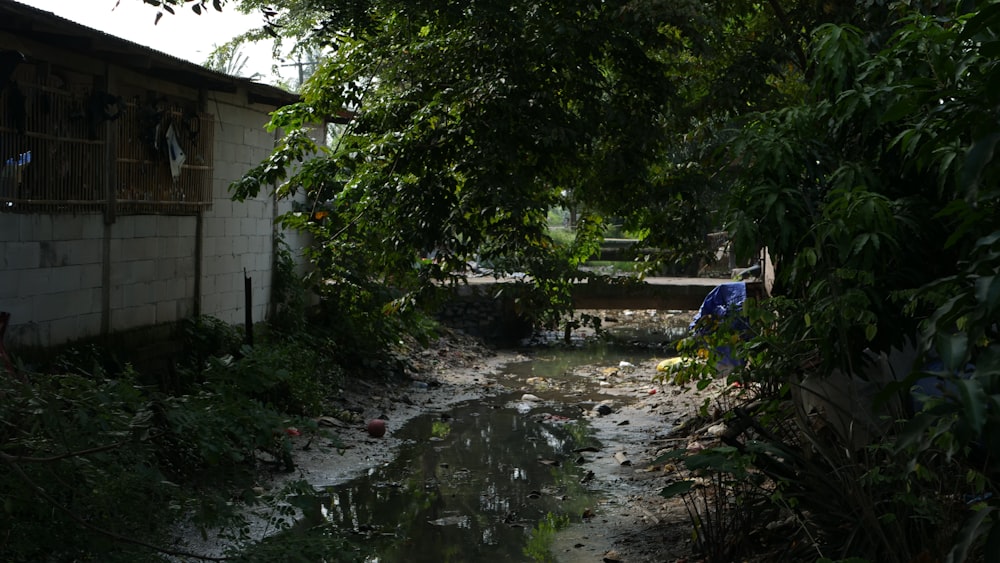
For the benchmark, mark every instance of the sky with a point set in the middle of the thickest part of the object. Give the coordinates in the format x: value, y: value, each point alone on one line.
x: 184, y: 35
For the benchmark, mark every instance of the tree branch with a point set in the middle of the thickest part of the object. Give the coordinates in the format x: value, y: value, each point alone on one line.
x: 14, y: 459
x: 107, y: 533
x: 800, y: 54
x: 26, y: 459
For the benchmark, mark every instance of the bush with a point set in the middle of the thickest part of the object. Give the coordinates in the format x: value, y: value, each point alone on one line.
x: 87, y: 452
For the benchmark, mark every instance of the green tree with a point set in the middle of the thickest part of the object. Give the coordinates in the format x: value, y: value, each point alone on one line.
x: 470, y: 122
x: 228, y: 58
x: 877, y: 196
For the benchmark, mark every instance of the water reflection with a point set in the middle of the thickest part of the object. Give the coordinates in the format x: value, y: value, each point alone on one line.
x: 470, y: 485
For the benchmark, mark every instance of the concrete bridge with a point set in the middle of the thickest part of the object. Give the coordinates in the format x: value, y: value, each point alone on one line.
x: 482, y: 307
x: 664, y: 293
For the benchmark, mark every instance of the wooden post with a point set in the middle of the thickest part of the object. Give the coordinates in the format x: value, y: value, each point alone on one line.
x: 248, y: 291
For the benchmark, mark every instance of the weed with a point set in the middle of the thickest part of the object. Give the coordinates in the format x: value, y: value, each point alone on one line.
x: 540, y: 541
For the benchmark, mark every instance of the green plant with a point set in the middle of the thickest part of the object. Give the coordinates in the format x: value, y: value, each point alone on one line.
x: 724, y: 499
x: 542, y: 536
x: 288, y: 292
x: 85, y: 451
x: 898, y: 178
x: 206, y: 337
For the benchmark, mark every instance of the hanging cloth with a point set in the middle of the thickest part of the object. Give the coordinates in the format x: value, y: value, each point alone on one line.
x: 174, y: 152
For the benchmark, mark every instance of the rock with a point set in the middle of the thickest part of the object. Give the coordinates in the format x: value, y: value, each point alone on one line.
x: 460, y: 521
x: 603, y: 410
x: 716, y: 430
x: 331, y: 422
x: 531, y: 398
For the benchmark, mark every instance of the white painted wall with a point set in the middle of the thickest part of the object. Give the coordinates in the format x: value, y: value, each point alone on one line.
x: 239, y: 236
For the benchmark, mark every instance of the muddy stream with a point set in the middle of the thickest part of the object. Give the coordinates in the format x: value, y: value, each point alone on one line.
x: 487, y: 459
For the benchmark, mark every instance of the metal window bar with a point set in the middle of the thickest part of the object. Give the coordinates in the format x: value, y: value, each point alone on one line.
x: 145, y: 181
x: 53, y: 156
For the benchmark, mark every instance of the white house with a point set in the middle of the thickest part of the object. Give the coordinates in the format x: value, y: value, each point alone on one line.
x: 115, y: 163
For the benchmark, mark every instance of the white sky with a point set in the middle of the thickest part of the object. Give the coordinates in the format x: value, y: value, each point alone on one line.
x: 184, y: 35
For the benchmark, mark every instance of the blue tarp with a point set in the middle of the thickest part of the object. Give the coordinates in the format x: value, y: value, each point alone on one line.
x: 721, y: 302
x: 723, y: 305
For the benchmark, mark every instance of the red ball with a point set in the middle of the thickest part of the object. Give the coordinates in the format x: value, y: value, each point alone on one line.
x: 376, y: 427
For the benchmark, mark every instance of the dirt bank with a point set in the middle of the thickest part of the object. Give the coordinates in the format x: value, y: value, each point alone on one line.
x: 633, y: 523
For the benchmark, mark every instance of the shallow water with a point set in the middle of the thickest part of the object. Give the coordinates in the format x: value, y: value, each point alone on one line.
x: 472, y: 483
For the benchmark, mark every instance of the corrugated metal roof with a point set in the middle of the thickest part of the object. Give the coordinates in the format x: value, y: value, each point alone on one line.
x: 45, y: 27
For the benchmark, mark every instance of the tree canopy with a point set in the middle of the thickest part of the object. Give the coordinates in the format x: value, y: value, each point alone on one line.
x: 854, y: 140
x: 470, y: 121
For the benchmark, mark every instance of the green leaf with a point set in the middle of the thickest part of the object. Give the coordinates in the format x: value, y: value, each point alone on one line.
x: 979, y: 155
x: 988, y: 292
x: 953, y: 349
x: 676, y: 488
x: 670, y: 456
x: 915, y: 430
x: 899, y: 109
x: 974, y: 402
x: 870, y: 331
x: 726, y: 459
x: 969, y: 535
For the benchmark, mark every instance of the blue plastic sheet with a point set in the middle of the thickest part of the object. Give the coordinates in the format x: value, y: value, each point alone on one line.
x: 723, y: 302
x: 723, y: 306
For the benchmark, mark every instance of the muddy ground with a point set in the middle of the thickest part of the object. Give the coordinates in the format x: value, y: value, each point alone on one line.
x: 631, y: 523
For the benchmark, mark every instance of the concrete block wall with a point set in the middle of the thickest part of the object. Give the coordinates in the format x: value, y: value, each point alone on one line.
x: 51, y: 277
x: 238, y: 236
x: 52, y: 274
x: 152, y: 277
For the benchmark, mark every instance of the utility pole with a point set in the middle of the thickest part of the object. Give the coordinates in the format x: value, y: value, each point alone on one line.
x: 301, y: 66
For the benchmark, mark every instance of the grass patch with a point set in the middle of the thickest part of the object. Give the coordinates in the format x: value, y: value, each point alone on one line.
x: 540, y: 541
